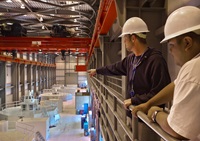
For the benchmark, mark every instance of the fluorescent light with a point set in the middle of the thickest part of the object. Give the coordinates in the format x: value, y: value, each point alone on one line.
x: 22, y: 6
x: 9, y: 1
x: 40, y: 51
x: 9, y: 23
x: 68, y: 2
x: 41, y: 19
x: 73, y: 8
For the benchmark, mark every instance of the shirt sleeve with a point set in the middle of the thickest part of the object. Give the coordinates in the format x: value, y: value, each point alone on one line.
x: 184, y: 113
x: 118, y: 68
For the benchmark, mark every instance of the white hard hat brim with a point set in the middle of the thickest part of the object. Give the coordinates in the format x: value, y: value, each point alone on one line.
x: 129, y: 33
x: 180, y: 33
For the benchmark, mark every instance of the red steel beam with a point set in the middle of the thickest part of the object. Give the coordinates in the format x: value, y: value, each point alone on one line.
x: 29, y: 44
x: 43, y: 39
x: 80, y: 68
x: 24, y: 61
x: 106, y: 16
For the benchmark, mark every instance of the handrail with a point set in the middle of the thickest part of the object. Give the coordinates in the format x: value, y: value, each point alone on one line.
x: 120, y: 121
x: 115, y: 78
x: 109, y: 90
x: 114, y: 84
x: 155, y: 127
x: 9, y: 105
x: 10, y: 87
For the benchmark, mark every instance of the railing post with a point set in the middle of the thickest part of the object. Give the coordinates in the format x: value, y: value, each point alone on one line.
x: 135, y: 128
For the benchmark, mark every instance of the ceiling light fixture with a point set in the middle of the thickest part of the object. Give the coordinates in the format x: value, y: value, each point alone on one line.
x: 9, y: 1
x: 68, y: 2
x: 41, y: 19
x: 40, y: 51
x: 43, y: 27
x: 22, y: 6
x: 73, y: 8
x: 9, y: 23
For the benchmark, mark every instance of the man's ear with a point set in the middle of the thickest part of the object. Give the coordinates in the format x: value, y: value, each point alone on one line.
x: 133, y: 38
x: 188, y: 42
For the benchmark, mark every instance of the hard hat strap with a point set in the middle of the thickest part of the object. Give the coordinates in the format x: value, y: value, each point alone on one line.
x: 141, y: 35
x: 197, y: 31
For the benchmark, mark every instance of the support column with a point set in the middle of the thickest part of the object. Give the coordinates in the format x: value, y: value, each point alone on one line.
x: 29, y: 77
x: 39, y: 79
x: 34, y: 79
x: 22, y: 79
x: 2, y: 83
x: 15, y: 81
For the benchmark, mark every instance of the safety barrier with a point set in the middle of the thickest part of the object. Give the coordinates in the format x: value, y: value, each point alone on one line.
x: 9, y: 105
x: 155, y: 127
x: 99, y: 88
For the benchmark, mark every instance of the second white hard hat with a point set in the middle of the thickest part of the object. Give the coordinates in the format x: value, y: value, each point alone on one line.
x: 183, y: 20
x: 134, y: 25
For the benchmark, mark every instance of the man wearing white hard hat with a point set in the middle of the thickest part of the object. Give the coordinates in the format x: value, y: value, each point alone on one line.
x: 145, y: 68
x: 182, y: 34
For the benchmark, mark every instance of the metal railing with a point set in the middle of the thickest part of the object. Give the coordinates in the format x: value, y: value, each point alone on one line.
x: 9, y: 105
x: 134, y: 134
x: 155, y: 127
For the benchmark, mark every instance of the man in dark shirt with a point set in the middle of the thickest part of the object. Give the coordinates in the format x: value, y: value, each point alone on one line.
x: 145, y: 68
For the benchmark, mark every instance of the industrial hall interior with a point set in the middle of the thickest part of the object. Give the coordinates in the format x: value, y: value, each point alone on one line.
x: 99, y: 70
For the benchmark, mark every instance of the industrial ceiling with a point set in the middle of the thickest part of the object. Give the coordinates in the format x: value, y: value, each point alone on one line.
x: 83, y: 19
x: 70, y: 22
x: 39, y: 16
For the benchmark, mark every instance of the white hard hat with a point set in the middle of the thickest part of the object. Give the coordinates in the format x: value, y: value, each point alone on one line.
x: 134, y: 25
x: 183, y: 20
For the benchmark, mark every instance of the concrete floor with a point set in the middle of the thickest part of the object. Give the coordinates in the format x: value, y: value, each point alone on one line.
x: 69, y: 127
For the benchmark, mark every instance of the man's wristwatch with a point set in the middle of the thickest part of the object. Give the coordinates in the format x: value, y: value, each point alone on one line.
x: 153, y: 117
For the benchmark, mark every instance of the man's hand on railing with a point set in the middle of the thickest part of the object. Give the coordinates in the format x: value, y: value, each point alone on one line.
x: 92, y: 72
x: 142, y: 107
x: 153, y: 111
x: 127, y: 103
